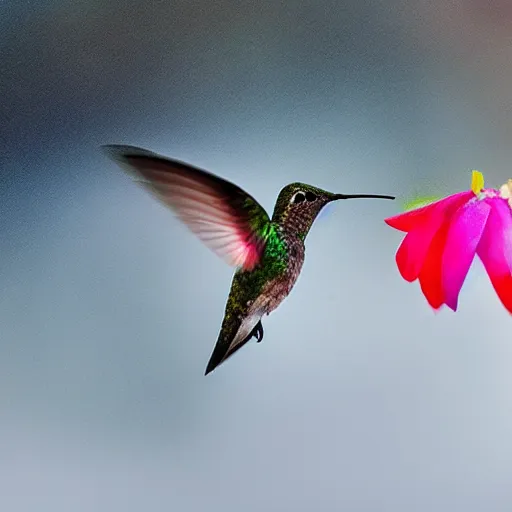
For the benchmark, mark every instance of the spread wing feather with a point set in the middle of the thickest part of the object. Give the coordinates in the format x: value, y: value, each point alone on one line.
x: 224, y: 217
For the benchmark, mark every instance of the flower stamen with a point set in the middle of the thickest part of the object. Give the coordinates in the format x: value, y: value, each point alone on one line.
x: 477, y: 182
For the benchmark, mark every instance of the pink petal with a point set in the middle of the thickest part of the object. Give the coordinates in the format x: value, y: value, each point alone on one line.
x: 414, y: 249
x: 430, y: 273
x: 495, y: 250
x: 464, y: 234
x: 409, y: 220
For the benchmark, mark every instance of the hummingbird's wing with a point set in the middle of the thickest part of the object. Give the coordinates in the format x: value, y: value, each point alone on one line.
x: 224, y: 217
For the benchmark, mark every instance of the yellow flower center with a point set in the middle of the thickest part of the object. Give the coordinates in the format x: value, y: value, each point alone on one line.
x: 477, y: 182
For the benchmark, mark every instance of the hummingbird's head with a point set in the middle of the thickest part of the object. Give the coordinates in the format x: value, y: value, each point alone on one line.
x: 298, y: 205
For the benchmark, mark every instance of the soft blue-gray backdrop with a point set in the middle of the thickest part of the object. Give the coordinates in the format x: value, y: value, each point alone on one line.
x: 360, y: 398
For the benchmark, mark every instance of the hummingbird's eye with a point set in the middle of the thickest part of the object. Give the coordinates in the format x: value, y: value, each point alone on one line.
x: 310, y: 196
x: 299, y: 197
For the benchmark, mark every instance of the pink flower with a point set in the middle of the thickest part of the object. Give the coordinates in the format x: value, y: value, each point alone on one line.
x: 443, y: 238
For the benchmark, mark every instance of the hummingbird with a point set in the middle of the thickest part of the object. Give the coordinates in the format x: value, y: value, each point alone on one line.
x: 268, y: 253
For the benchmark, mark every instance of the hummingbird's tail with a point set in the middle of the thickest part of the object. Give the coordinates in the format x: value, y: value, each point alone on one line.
x: 233, y: 335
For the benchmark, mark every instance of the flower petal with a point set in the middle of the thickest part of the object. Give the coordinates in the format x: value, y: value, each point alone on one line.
x: 414, y: 248
x: 464, y: 234
x: 495, y: 250
x: 409, y: 220
x: 430, y: 274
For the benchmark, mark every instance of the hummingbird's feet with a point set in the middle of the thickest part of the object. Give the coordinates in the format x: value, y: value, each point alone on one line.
x: 257, y: 332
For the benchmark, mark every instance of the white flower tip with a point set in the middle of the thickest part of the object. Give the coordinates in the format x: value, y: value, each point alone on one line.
x: 506, y: 190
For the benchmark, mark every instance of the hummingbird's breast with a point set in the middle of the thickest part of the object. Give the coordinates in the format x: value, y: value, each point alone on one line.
x: 281, y: 285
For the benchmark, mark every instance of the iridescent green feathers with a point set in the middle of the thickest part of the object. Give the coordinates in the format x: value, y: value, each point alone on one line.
x: 224, y: 217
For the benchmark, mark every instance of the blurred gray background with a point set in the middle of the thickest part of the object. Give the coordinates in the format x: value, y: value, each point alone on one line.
x: 360, y: 398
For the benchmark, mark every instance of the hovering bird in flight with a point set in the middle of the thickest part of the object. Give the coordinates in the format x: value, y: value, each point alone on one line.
x: 268, y: 253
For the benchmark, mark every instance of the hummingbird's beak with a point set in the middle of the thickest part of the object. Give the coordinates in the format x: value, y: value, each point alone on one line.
x: 360, y: 196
